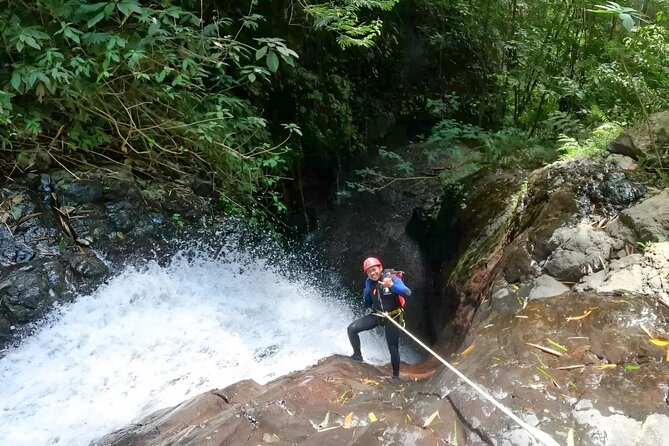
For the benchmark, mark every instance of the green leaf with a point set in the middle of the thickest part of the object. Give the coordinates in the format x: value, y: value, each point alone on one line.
x: 252, y: 77
x: 92, y: 8
x: 129, y: 6
x: 628, y: 21
x: 632, y: 367
x: 288, y: 60
x: 272, y: 61
x: 161, y: 76
x: 32, y: 42
x: 16, y: 80
x: 70, y: 34
x: 109, y: 9
x: 154, y: 27
x: 92, y: 22
x: 261, y: 53
x: 32, y: 78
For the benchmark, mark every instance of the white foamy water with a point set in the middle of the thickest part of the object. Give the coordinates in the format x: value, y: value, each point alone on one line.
x: 155, y: 336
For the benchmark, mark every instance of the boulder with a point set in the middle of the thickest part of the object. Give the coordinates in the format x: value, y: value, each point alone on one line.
x: 650, y: 218
x: 648, y: 139
x: 546, y: 286
x: 646, y: 272
x: 577, y: 251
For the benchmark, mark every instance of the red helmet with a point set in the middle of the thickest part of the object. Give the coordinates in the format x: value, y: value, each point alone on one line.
x: 369, y: 262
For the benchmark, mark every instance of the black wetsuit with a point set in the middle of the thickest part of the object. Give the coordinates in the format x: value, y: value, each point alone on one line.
x: 382, y: 299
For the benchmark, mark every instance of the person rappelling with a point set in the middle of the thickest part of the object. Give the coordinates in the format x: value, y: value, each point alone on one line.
x: 385, y: 293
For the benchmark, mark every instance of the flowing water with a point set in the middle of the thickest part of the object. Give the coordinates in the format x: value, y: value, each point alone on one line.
x: 156, y: 335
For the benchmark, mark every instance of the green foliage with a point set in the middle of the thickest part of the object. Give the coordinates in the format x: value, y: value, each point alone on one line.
x: 644, y: 245
x: 625, y: 14
x: 343, y: 19
x: 551, y: 64
x: 593, y: 146
x: 374, y: 179
x: 151, y: 85
x: 402, y: 166
x: 325, y: 112
x: 177, y: 220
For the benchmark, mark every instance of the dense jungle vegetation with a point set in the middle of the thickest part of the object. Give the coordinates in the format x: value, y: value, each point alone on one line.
x: 247, y: 95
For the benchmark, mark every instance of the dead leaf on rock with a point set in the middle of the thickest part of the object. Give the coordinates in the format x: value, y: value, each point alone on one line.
x: 578, y: 318
x: 430, y: 419
x: 468, y: 350
x: 270, y: 438
x: 560, y: 346
x: 607, y: 366
x: 370, y: 381
x: 323, y: 426
x: 647, y: 331
x: 326, y: 420
x: 25, y: 218
x: 545, y: 349
x: 344, y: 396
x: 348, y: 420
x: 571, y: 367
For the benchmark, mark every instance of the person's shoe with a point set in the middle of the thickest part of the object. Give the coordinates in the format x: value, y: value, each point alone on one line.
x: 397, y: 378
x: 356, y: 357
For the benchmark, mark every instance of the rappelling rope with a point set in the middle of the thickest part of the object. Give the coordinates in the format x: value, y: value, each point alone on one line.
x: 538, y: 435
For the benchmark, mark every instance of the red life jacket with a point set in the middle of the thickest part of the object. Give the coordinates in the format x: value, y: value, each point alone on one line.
x: 400, y: 275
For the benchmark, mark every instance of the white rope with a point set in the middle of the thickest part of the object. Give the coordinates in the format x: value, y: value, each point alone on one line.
x: 538, y: 435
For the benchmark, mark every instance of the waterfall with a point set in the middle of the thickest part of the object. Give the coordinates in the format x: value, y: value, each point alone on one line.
x: 154, y: 336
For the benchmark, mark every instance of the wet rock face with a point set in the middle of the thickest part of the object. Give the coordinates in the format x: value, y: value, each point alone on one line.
x: 579, y: 394
x: 571, y: 231
x: 461, y: 239
x: 31, y: 228
x: 337, y: 402
x: 580, y: 188
x: 55, y: 223
x: 570, y: 227
x: 29, y: 291
x: 607, y: 370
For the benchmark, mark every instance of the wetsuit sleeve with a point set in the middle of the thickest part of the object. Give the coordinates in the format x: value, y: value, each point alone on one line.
x: 400, y: 288
x: 368, y: 294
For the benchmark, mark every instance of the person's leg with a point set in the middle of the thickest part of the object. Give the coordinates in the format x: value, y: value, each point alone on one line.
x: 393, y: 340
x: 363, y: 324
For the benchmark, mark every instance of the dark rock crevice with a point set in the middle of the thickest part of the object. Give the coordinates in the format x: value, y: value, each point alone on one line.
x: 455, y: 406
